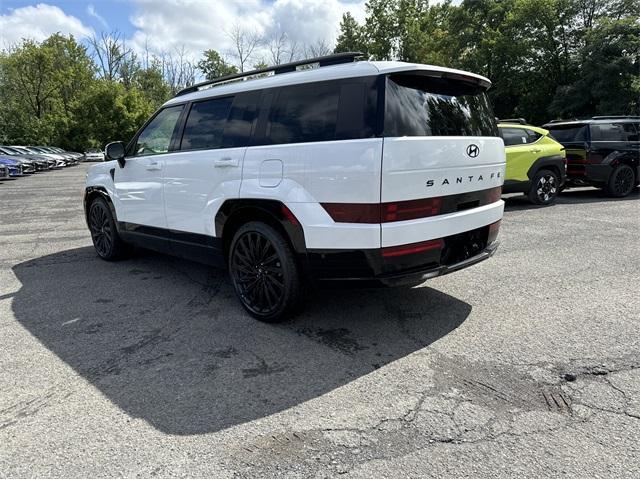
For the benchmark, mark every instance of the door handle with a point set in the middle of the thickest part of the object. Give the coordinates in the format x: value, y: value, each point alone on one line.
x: 224, y: 162
x: 153, y: 166
x: 535, y: 150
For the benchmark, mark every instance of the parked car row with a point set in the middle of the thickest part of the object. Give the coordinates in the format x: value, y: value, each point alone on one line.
x: 603, y: 151
x: 25, y: 160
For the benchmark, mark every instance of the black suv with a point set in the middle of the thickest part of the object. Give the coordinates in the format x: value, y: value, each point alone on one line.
x: 603, y: 152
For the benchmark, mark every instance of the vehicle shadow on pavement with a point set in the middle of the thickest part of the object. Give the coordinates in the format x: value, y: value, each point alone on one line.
x: 167, y: 341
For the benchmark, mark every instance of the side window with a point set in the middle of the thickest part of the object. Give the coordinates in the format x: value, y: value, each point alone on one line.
x: 632, y: 131
x: 608, y: 132
x: 205, y: 124
x: 532, y: 136
x: 514, y: 136
x: 156, y: 137
x: 237, y: 131
x: 304, y: 113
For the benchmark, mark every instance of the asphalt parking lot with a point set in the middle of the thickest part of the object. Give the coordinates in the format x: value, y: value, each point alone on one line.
x: 527, y: 365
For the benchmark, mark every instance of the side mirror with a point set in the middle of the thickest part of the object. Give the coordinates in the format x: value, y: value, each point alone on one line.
x: 115, y: 151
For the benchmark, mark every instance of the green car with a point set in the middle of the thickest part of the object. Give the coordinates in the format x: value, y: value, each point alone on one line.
x: 536, y: 163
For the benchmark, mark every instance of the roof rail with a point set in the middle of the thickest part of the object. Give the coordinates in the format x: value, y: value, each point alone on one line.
x: 323, y: 61
x: 615, y: 117
x: 521, y: 121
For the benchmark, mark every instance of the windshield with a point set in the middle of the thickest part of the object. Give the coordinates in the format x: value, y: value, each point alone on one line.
x: 418, y: 105
x: 569, y: 134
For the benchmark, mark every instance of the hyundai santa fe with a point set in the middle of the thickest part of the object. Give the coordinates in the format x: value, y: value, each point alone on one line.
x: 357, y: 172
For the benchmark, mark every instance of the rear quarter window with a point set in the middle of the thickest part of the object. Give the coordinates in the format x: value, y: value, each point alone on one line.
x: 569, y: 134
x: 323, y: 111
x: 418, y: 105
x: 612, y: 132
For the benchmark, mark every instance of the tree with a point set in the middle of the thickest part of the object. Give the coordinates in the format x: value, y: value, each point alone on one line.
x: 319, y: 48
x: 351, y: 38
x: 111, y: 53
x: 177, y: 69
x: 214, y: 66
x: 381, y: 29
x: 245, y: 43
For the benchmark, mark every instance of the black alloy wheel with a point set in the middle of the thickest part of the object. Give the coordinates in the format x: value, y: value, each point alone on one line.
x: 621, y: 182
x: 264, y: 272
x: 544, y: 188
x: 106, y: 240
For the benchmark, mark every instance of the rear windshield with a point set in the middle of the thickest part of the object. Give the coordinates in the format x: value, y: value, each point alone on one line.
x: 417, y: 105
x: 569, y: 134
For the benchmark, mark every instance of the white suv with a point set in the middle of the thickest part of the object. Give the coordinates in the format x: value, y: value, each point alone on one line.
x: 374, y: 173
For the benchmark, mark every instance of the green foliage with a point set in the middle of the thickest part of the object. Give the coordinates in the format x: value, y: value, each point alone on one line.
x: 50, y: 94
x: 546, y: 58
x: 214, y: 66
x: 351, y: 37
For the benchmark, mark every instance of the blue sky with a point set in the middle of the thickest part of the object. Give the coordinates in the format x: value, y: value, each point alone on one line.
x: 169, y: 25
x: 162, y: 26
x: 115, y: 12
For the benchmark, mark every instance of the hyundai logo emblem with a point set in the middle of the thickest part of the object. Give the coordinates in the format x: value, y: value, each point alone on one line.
x: 473, y: 150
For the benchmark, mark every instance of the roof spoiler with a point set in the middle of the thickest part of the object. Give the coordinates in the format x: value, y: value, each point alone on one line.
x: 323, y: 61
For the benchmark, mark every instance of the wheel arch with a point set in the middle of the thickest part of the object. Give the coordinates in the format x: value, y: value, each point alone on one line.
x: 236, y: 212
x: 90, y: 195
x: 554, y: 163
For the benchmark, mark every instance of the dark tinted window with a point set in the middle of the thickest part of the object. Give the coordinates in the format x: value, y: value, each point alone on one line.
x: 325, y: 111
x: 156, y: 136
x: 205, y: 124
x: 612, y: 131
x: 237, y: 130
x: 514, y: 136
x: 569, y: 134
x: 532, y: 136
x: 421, y: 106
x: 304, y: 113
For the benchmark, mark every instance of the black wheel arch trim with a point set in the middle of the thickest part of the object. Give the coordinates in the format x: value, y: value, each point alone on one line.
x: 544, y: 162
x: 273, y: 209
x: 98, y: 191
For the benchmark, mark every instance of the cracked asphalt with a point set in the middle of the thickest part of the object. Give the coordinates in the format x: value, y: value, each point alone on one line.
x: 527, y: 365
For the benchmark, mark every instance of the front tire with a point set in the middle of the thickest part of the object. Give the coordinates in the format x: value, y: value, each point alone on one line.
x: 264, y: 272
x: 105, y: 237
x: 621, y: 182
x: 544, y: 188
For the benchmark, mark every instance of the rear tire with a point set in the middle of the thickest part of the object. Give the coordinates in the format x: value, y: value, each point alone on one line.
x: 544, y: 188
x: 264, y: 273
x: 621, y: 182
x: 105, y: 237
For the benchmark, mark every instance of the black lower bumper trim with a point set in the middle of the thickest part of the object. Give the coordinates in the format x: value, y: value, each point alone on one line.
x: 415, y: 276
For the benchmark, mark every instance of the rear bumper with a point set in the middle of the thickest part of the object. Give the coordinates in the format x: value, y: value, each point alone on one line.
x: 411, y: 278
x: 385, y: 267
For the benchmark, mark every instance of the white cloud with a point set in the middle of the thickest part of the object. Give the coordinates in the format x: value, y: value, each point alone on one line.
x: 200, y: 25
x: 37, y: 23
x: 92, y: 12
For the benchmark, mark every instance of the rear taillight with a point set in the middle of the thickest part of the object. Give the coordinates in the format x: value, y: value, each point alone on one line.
x: 353, y: 212
x: 494, y: 194
x: 410, y: 210
x: 493, y: 231
x: 383, y: 213
x: 289, y: 216
x: 413, y: 248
